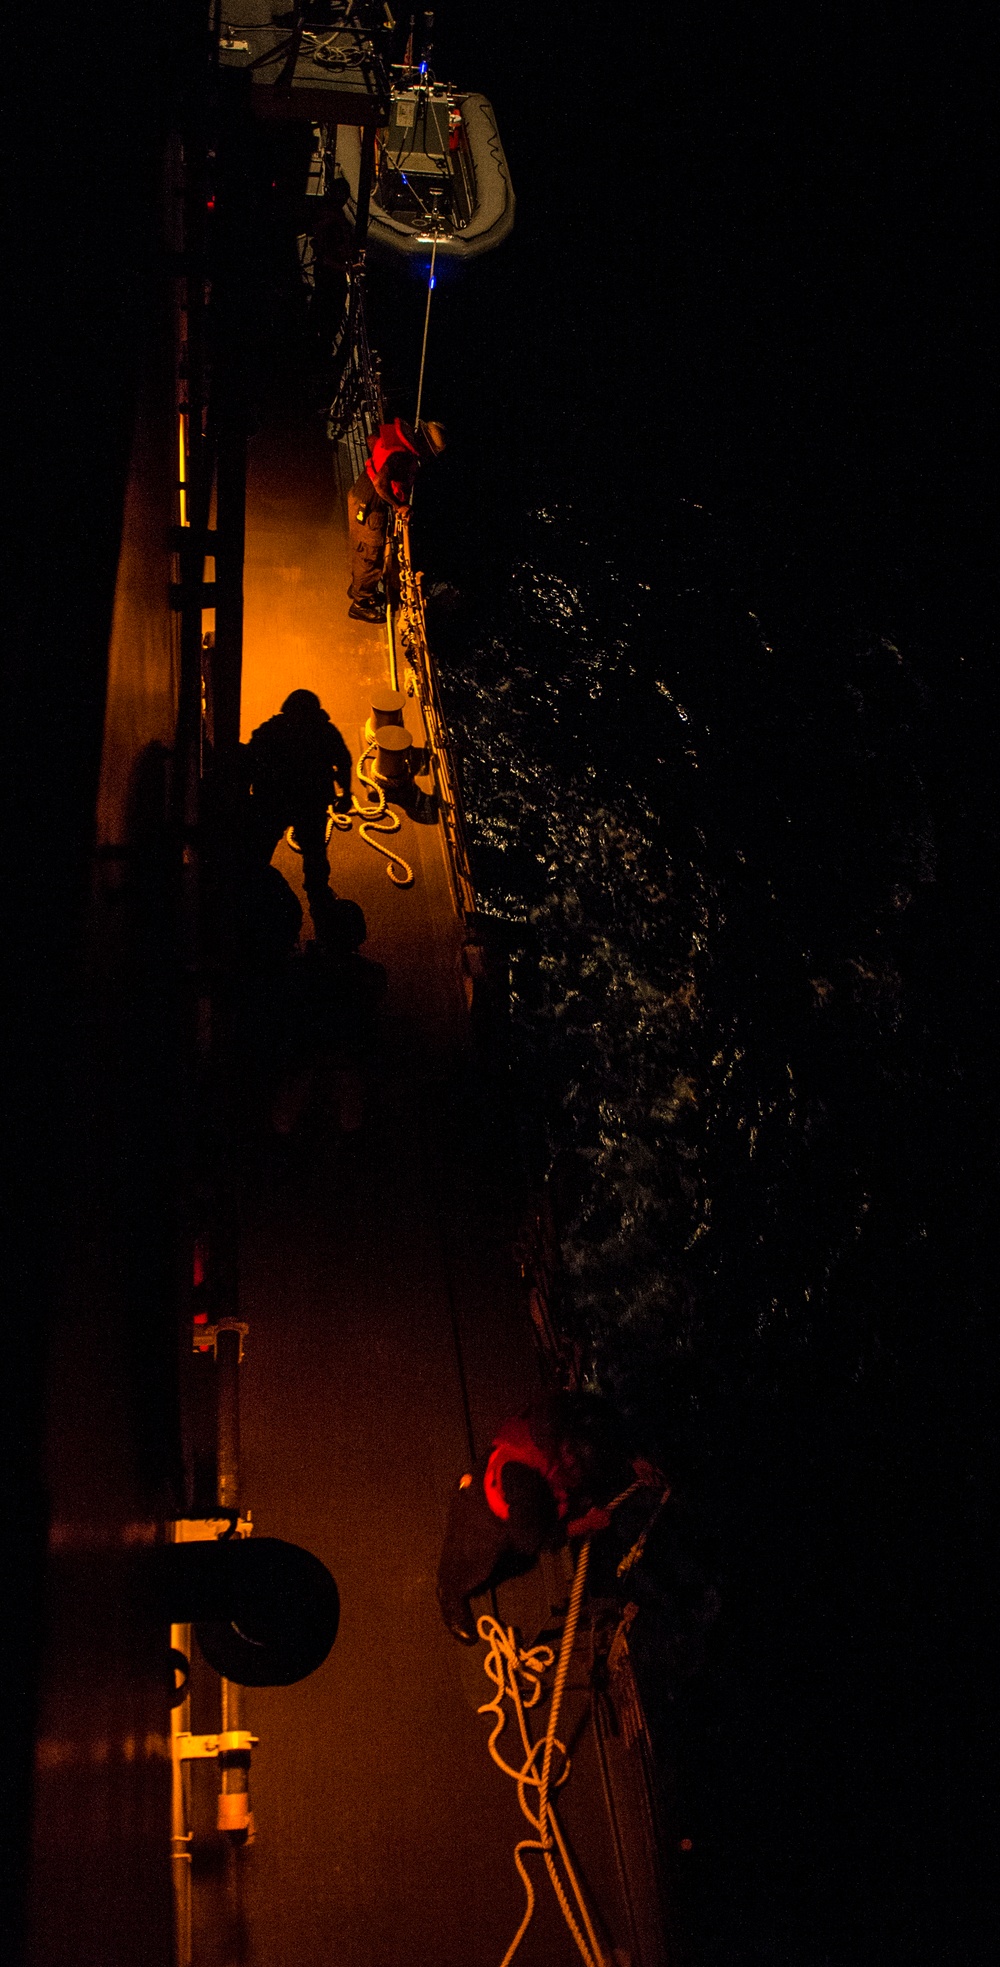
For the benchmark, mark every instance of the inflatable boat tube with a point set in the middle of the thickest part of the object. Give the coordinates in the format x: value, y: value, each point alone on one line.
x: 492, y: 213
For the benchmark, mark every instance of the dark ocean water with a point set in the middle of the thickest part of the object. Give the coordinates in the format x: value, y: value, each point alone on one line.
x: 740, y: 1001
x: 722, y: 686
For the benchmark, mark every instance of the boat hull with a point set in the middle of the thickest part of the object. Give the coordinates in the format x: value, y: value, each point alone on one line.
x: 493, y: 210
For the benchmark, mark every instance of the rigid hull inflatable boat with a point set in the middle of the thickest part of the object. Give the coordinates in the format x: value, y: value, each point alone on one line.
x: 441, y: 174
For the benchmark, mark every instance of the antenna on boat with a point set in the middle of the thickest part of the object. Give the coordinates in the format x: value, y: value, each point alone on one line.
x: 425, y: 74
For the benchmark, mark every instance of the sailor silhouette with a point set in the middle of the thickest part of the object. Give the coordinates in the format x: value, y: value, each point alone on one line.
x: 296, y: 766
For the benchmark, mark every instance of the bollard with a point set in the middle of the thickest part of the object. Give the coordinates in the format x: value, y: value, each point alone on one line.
x: 387, y: 708
x: 392, y: 762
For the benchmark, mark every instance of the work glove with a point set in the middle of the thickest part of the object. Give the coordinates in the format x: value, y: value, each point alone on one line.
x: 588, y: 1526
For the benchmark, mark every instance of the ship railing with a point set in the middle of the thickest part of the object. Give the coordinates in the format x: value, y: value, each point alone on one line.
x: 411, y: 626
x: 356, y: 411
x: 355, y: 414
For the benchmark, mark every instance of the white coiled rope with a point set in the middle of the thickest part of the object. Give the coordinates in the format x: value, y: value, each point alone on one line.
x: 377, y: 818
x: 516, y: 1673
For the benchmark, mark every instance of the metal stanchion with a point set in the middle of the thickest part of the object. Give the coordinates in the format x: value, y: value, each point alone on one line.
x: 234, y: 1814
x: 180, y: 1811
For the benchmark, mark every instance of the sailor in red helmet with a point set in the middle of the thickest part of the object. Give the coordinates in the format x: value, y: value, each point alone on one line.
x: 385, y: 485
x: 540, y: 1484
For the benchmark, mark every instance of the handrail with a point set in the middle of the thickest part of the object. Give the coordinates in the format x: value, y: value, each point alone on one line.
x: 358, y: 408
x: 413, y: 636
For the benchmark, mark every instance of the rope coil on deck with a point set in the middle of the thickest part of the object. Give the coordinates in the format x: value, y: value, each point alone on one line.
x: 380, y: 820
x: 516, y: 1673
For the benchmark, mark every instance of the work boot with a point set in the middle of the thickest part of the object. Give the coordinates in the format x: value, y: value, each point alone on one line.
x: 457, y: 1615
x: 366, y: 611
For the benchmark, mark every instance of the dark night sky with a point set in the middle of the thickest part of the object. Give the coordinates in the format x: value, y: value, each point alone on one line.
x: 753, y: 249
x: 753, y: 266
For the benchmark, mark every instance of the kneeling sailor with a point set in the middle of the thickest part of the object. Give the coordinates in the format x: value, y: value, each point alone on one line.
x: 538, y: 1486
x: 384, y: 486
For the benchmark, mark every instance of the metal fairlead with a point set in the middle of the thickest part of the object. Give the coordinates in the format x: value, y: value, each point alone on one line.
x: 193, y: 1748
x: 205, y: 1338
x: 211, y: 1529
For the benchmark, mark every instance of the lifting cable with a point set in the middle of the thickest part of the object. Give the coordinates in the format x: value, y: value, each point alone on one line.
x: 381, y: 820
x: 516, y: 1673
x: 427, y: 323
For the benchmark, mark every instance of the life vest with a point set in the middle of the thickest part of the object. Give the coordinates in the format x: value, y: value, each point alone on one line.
x: 391, y: 440
x: 516, y: 1443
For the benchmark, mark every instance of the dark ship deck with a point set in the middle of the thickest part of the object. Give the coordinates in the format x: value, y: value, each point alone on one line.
x: 388, y: 1327
x: 387, y: 1335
